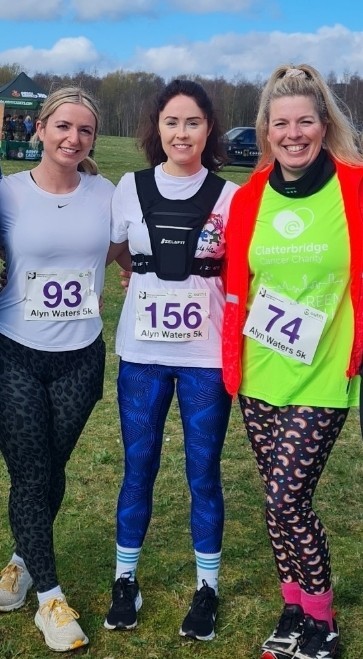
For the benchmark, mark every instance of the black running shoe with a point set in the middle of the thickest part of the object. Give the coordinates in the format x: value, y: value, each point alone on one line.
x: 317, y: 641
x: 283, y: 641
x: 200, y: 620
x: 126, y: 601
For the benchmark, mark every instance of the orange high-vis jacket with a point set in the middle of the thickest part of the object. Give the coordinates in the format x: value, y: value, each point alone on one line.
x: 243, y: 215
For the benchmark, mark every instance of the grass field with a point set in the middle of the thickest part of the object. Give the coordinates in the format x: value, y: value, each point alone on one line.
x: 85, y: 528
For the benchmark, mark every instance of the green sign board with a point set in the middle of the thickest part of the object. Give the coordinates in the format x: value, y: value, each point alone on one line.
x: 23, y: 103
x: 12, y: 150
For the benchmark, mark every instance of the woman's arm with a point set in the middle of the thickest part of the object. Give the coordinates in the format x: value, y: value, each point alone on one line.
x: 119, y: 252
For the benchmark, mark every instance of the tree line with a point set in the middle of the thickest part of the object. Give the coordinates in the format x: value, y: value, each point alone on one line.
x: 123, y: 95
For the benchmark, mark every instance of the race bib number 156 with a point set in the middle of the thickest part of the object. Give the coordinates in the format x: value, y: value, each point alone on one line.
x: 172, y: 315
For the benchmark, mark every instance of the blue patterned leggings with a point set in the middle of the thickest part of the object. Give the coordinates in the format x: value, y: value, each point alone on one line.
x: 145, y: 392
x: 292, y: 445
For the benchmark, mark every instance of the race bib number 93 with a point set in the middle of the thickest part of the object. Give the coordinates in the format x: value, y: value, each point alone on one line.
x: 62, y: 295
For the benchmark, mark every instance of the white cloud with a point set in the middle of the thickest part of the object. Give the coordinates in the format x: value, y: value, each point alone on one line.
x: 66, y: 56
x: 254, y: 55
x: 83, y: 10
x: 232, y: 56
x: 208, y: 6
x: 90, y: 10
x: 31, y: 9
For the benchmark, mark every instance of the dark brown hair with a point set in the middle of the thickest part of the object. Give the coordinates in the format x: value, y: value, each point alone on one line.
x: 213, y: 155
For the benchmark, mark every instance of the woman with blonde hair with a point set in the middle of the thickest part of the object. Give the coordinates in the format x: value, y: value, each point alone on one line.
x: 293, y: 331
x: 55, y: 229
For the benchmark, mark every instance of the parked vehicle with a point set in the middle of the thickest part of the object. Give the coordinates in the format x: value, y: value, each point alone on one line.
x: 241, y: 146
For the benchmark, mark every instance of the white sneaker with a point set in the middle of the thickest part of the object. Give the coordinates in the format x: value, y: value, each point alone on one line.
x: 57, y: 621
x: 14, y: 584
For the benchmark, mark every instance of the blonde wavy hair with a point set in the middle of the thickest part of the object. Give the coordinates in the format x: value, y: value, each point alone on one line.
x: 342, y: 141
x: 71, y: 95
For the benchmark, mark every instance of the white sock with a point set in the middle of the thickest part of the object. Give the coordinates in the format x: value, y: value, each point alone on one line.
x: 18, y: 560
x: 127, y: 559
x: 208, y: 569
x: 51, y: 594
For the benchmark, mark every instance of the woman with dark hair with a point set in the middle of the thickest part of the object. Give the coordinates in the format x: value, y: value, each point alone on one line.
x: 173, y: 216
x: 213, y: 155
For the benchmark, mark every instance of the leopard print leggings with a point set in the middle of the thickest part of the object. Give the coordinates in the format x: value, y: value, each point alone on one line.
x: 46, y: 399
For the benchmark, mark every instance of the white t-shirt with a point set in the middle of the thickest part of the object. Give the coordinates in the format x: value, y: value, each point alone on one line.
x: 127, y: 224
x: 59, y: 234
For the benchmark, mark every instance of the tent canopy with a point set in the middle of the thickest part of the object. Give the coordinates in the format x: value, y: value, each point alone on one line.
x: 22, y: 92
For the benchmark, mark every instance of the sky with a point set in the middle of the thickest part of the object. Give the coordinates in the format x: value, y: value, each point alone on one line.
x: 233, y: 39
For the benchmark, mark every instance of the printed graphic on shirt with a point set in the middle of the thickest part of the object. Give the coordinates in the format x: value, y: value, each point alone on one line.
x: 294, y: 253
x: 290, y: 224
x: 211, y: 235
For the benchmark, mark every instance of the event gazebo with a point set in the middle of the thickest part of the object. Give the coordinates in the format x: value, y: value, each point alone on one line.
x: 20, y: 96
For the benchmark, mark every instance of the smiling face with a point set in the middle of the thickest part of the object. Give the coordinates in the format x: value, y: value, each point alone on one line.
x: 183, y: 130
x: 295, y: 134
x: 68, y: 134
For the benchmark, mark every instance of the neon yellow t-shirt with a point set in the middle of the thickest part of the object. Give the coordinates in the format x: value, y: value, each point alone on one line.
x: 300, y: 249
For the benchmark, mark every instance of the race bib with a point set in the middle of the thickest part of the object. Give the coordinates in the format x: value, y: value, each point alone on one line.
x: 284, y: 325
x: 61, y: 295
x: 172, y: 315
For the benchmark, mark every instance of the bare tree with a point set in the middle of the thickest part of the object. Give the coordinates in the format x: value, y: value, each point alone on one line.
x: 123, y: 95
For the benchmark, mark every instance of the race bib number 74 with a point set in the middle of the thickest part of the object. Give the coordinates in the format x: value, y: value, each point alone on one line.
x: 285, y: 326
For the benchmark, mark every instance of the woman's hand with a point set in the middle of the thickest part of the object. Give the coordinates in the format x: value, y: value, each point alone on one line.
x: 125, y: 278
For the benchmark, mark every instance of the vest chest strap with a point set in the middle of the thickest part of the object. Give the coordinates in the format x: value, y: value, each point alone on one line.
x: 207, y: 267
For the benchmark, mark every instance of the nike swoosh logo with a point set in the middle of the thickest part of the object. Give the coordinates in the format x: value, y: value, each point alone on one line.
x: 59, y: 206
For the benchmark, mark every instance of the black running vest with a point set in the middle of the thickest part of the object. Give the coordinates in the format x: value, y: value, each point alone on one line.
x: 174, y: 227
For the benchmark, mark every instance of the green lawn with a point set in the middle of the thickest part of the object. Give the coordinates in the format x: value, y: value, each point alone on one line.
x: 85, y: 528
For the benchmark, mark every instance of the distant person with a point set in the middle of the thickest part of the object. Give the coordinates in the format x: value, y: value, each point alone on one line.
x: 19, y: 128
x: 28, y: 126
x: 174, y: 217
x: 55, y: 227
x: 293, y: 331
x: 8, y: 127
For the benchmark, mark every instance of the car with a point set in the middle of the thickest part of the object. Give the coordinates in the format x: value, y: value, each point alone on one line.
x: 241, y: 146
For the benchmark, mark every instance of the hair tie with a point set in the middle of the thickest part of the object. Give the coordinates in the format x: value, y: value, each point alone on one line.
x: 294, y: 73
